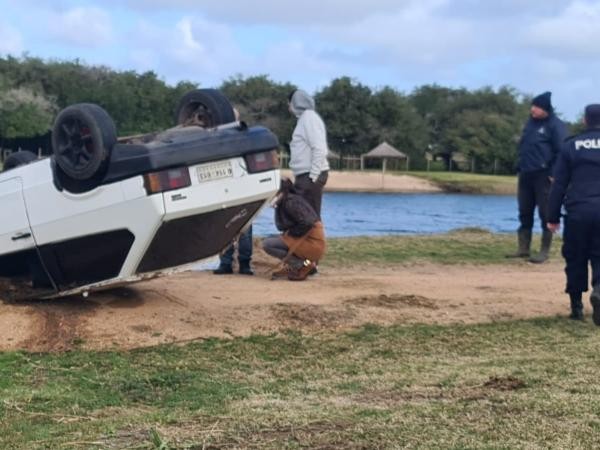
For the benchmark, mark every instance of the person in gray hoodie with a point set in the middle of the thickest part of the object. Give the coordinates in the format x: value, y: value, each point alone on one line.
x: 308, y: 150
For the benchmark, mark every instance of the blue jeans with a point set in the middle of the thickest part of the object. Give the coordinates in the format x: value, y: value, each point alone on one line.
x: 244, y: 245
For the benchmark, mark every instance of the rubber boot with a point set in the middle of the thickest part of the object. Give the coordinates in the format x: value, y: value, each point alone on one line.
x: 544, y: 253
x: 524, y: 238
x: 595, y: 301
x: 576, y: 306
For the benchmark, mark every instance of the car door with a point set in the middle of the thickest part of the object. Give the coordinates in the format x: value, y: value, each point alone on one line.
x: 20, y: 266
x: 15, y: 233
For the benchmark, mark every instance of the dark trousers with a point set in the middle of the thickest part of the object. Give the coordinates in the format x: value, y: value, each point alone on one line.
x: 312, y: 192
x: 275, y: 246
x: 244, y: 245
x: 533, y: 191
x: 581, y: 245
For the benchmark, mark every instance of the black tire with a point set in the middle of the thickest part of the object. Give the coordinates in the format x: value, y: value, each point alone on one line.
x: 205, y: 107
x: 19, y: 159
x: 83, y: 136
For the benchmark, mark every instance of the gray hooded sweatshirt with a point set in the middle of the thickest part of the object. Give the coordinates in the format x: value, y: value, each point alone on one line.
x: 308, y: 148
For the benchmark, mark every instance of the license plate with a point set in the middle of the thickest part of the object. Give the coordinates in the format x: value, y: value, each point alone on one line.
x: 214, y: 171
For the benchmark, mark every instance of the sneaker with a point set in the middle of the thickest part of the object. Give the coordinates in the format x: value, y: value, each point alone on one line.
x: 595, y: 300
x: 223, y: 269
x: 302, y: 273
x: 281, y: 273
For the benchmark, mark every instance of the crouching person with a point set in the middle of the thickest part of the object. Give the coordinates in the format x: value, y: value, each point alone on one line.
x: 302, y: 241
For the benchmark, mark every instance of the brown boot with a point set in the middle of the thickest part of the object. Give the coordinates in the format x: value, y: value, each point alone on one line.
x: 281, y: 273
x: 301, y: 273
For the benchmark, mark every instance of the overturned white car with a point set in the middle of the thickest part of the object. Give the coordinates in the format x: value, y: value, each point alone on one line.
x: 104, y: 211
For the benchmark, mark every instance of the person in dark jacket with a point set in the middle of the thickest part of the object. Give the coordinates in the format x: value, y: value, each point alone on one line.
x: 577, y: 185
x: 302, y: 241
x: 539, y: 146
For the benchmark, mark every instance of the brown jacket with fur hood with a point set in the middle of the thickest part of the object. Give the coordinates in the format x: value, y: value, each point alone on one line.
x: 302, y: 231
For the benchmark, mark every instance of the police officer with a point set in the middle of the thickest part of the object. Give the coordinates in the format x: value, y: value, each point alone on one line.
x: 577, y: 184
x: 539, y: 145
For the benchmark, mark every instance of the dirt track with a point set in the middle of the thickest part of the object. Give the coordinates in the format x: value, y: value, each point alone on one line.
x: 195, y: 305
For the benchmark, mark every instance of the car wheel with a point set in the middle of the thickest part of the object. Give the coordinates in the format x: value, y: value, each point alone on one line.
x: 204, y: 107
x: 83, y: 136
x: 19, y: 159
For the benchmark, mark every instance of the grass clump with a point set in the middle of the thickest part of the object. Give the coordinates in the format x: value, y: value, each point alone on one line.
x: 464, y: 246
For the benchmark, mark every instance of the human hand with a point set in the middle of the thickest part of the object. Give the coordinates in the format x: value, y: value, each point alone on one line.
x: 554, y: 227
x: 551, y: 179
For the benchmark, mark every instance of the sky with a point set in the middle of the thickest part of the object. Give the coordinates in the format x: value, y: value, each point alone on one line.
x: 532, y: 46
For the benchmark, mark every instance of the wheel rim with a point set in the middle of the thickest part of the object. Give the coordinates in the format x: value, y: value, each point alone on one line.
x: 75, y: 143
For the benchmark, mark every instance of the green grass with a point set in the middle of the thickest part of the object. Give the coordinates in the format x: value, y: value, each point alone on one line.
x: 471, y: 183
x: 519, y: 384
x: 525, y: 384
x: 469, y: 245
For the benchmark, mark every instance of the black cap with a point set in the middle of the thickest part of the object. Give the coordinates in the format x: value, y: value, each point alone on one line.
x: 543, y: 101
x: 592, y: 115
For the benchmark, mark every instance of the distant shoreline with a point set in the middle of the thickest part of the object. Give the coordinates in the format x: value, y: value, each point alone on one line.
x: 357, y: 181
x: 421, y: 182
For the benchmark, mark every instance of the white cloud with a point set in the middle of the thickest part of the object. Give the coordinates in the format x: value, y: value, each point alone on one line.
x: 414, y: 35
x: 275, y: 11
x: 192, y: 48
x: 573, y: 33
x: 82, y: 27
x: 11, y: 41
x: 293, y: 61
x: 199, y: 50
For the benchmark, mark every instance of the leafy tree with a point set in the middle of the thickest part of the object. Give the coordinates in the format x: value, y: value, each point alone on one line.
x: 24, y: 113
x: 345, y: 108
x: 138, y: 103
x: 484, y: 123
x: 262, y: 101
x: 399, y: 124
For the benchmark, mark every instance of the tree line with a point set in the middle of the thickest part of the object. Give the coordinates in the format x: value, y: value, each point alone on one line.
x: 484, y: 124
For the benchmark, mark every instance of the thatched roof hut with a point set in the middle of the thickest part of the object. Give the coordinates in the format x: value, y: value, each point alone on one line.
x: 384, y: 151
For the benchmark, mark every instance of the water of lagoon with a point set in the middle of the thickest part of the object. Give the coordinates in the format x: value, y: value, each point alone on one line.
x: 372, y: 214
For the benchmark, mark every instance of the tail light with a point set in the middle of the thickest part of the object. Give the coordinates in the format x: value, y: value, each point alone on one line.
x: 261, y: 162
x: 167, y: 180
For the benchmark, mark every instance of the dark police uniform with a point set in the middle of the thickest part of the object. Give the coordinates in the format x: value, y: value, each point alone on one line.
x: 539, y: 145
x: 577, y: 185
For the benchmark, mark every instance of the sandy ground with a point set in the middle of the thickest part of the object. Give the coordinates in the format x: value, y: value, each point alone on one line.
x: 374, y: 182
x: 196, y: 305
